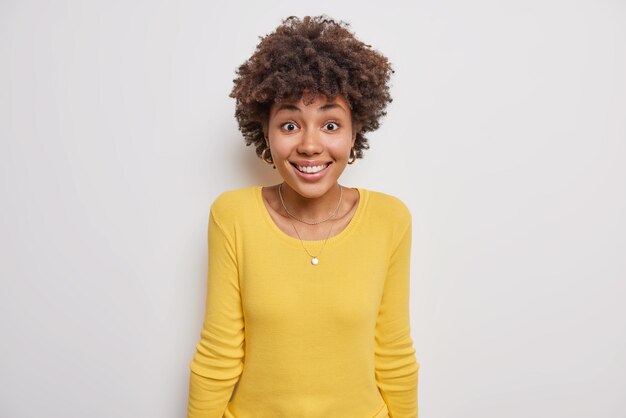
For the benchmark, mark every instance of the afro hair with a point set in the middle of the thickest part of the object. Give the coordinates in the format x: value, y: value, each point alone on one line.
x: 319, y: 55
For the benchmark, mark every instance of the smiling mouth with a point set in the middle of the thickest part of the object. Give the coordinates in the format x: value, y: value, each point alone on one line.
x: 310, y: 169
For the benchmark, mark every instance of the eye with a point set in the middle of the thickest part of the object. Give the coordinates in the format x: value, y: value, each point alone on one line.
x: 289, y: 126
x: 332, y: 126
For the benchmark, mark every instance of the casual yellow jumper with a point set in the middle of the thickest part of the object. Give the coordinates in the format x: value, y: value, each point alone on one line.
x: 288, y: 339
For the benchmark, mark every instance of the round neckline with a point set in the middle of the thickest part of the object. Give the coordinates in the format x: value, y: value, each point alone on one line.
x: 356, y: 218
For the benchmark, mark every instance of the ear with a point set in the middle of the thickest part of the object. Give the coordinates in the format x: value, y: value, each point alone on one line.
x: 265, y: 136
x: 355, y: 130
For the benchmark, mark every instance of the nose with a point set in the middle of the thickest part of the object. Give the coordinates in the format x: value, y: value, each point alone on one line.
x: 310, y: 142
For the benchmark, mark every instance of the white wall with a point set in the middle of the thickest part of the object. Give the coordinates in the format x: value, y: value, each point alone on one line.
x: 506, y: 138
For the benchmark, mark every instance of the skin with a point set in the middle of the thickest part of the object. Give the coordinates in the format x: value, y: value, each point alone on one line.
x: 322, y: 131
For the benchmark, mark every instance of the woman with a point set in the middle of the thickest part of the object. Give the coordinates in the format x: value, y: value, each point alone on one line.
x: 307, y: 306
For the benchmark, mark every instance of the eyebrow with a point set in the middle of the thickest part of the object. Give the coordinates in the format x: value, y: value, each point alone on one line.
x: 326, y: 107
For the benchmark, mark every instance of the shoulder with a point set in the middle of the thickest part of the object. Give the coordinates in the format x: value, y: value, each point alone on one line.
x: 386, y: 217
x: 387, y: 206
x: 231, y: 204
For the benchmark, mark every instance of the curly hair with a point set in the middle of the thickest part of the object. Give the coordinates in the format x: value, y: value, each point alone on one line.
x: 319, y: 55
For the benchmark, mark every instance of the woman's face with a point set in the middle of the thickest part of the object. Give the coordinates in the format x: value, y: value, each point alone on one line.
x: 310, y: 144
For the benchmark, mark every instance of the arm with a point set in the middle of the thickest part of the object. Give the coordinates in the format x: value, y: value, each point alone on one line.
x: 396, y: 365
x: 218, y: 361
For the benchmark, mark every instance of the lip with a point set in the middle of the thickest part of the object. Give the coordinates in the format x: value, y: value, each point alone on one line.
x: 309, y: 163
x: 311, y: 176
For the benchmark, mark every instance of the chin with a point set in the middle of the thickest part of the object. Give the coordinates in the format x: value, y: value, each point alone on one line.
x: 311, y: 190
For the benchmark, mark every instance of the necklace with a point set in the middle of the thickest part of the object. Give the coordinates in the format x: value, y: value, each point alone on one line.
x: 332, y: 215
x: 314, y: 258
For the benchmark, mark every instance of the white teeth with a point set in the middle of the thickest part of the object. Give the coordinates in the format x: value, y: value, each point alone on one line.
x: 311, y: 169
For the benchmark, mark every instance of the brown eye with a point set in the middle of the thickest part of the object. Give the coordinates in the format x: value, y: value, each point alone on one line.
x: 289, y: 126
x: 331, y: 126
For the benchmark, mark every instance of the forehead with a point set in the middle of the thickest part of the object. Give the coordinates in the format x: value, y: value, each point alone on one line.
x: 320, y: 104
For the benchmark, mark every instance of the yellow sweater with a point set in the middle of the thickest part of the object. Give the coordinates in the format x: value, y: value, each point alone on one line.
x: 331, y: 340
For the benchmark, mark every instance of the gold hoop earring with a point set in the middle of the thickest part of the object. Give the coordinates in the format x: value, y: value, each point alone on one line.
x: 268, y: 159
x: 352, y: 157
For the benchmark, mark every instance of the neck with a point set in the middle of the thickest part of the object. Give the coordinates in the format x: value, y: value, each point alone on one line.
x: 311, y: 209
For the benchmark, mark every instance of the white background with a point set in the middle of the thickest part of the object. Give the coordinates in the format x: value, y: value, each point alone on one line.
x: 506, y: 139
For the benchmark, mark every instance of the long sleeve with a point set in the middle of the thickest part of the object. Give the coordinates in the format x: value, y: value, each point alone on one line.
x: 218, y: 361
x: 396, y: 365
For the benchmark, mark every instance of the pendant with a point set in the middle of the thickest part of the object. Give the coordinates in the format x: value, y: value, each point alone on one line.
x: 314, y: 261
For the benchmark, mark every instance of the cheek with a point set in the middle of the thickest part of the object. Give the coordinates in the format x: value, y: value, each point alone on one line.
x: 340, y: 149
x: 280, y: 148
